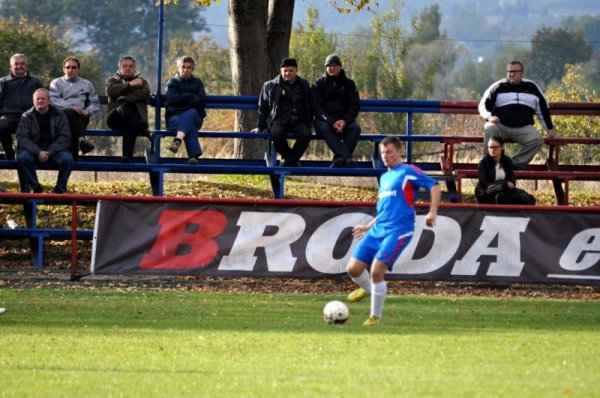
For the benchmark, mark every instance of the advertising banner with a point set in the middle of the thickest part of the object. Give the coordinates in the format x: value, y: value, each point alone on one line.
x: 308, y: 240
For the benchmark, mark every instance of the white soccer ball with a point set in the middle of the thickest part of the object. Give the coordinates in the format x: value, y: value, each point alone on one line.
x: 335, y: 312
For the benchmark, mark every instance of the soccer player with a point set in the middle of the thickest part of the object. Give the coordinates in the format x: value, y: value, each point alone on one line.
x: 384, y: 238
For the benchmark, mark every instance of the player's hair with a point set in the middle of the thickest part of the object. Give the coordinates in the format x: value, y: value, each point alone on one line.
x: 391, y: 140
x: 18, y: 55
x: 185, y: 60
x: 126, y: 58
x: 498, y: 139
x: 72, y: 58
x: 515, y: 62
x: 41, y: 90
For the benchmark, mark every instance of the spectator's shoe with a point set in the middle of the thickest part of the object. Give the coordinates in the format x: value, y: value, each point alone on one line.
x: 2, y: 310
x: 373, y: 321
x: 57, y: 190
x: 349, y: 162
x: 86, y: 146
x: 193, y: 161
x: 338, y: 162
x: 289, y: 163
x: 357, y: 295
x: 175, y: 145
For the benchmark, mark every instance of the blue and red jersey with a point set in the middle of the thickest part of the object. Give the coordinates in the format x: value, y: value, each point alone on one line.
x: 398, y: 194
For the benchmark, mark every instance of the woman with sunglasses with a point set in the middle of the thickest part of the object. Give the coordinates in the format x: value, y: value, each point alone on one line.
x: 497, y: 181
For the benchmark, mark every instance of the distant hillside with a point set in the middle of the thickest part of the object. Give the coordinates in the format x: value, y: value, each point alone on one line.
x: 474, y: 22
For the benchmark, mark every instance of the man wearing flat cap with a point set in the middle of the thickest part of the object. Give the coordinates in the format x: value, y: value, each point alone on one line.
x: 284, y: 107
x: 335, y: 102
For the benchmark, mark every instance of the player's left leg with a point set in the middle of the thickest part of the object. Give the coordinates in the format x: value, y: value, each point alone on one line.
x: 378, y: 291
x: 391, y: 248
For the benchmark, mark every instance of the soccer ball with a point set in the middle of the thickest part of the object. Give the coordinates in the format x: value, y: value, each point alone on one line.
x: 335, y: 312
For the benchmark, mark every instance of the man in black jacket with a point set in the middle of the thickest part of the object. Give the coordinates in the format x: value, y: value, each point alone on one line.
x: 335, y: 102
x: 16, y: 90
x: 43, y: 136
x: 283, y: 107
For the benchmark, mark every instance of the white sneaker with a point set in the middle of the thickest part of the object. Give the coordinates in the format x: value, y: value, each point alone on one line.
x: 2, y: 310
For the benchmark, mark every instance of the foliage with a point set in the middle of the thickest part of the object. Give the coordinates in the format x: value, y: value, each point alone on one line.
x: 212, y: 63
x: 311, y: 45
x: 552, y: 49
x: 427, y: 25
x: 573, y: 88
x: 44, y: 49
x: 589, y: 25
x: 353, y: 5
x: 113, y: 28
x: 201, y: 343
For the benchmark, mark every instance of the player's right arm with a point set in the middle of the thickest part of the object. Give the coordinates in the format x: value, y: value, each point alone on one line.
x: 361, y: 229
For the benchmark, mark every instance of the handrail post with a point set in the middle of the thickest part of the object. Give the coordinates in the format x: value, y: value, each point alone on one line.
x: 409, y: 132
x: 74, y: 239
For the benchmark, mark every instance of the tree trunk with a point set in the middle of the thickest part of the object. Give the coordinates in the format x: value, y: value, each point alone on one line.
x: 279, y: 31
x: 254, y: 49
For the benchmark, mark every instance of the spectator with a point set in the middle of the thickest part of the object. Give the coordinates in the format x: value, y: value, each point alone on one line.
x: 508, y: 107
x: 497, y: 181
x: 43, y: 136
x: 283, y: 107
x: 335, y: 102
x: 128, y: 94
x: 16, y: 91
x: 184, y: 113
x: 78, y: 99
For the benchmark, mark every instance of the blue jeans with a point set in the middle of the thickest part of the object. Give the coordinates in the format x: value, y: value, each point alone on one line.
x: 189, y: 122
x: 27, y: 163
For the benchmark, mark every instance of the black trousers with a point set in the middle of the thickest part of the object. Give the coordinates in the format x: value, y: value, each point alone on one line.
x: 301, y: 132
x: 77, y: 124
x: 128, y: 120
x: 8, y: 127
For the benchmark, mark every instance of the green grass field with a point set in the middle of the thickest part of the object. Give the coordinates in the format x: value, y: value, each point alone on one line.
x: 83, y: 343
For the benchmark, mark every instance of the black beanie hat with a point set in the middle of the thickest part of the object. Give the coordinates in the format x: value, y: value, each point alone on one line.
x: 288, y: 62
x: 333, y: 59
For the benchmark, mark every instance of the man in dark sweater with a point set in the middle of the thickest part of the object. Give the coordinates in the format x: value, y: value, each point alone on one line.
x: 43, y: 136
x: 284, y: 107
x: 335, y: 102
x: 16, y: 90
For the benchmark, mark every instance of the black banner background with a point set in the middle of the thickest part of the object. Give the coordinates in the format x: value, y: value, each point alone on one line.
x: 541, y: 245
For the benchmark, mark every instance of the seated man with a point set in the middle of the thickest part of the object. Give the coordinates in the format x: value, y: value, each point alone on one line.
x: 78, y: 99
x: 43, y: 136
x: 184, y: 109
x: 128, y: 94
x: 16, y: 91
x: 283, y: 107
x: 335, y: 102
x: 508, y: 107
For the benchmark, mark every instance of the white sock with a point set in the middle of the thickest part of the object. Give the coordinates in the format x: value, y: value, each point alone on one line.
x: 180, y: 135
x: 363, y: 280
x: 379, y: 291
